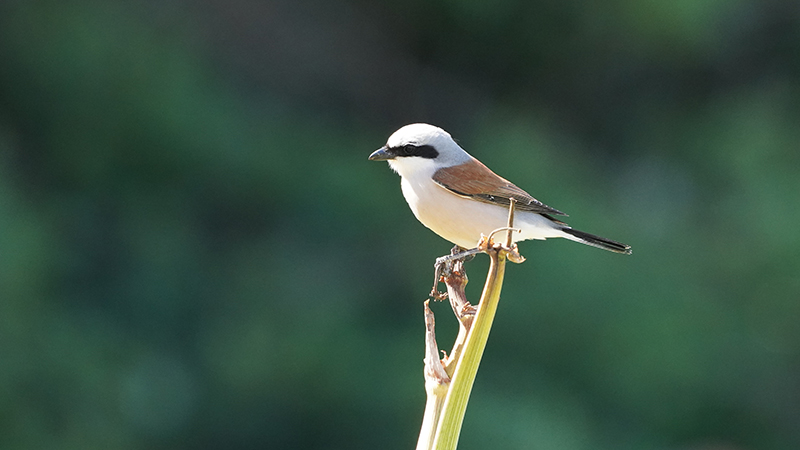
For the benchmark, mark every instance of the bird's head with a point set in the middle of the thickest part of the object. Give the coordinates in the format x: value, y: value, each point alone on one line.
x: 420, y: 148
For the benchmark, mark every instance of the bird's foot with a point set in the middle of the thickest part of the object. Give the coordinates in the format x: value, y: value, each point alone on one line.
x: 443, y: 267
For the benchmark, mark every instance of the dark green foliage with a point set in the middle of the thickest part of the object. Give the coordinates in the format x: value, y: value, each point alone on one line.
x: 196, y: 253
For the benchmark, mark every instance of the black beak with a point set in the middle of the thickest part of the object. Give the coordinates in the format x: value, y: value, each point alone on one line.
x: 381, y: 154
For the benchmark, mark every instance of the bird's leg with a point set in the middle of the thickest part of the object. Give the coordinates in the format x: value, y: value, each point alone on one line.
x: 444, y: 265
x: 457, y: 254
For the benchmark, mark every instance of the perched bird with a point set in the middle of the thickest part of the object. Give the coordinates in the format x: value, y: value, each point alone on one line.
x: 459, y: 198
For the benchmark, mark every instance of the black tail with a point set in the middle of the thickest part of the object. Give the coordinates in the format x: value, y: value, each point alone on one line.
x: 597, y: 241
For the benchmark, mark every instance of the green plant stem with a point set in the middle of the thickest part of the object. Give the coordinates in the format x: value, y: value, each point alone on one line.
x: 455, y: 406
x: 436, y: 394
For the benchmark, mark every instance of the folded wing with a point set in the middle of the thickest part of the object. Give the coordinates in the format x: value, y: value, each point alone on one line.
x: 474, y: 180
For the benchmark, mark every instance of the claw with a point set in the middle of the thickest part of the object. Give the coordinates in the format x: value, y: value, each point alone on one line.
x: 444, y: 266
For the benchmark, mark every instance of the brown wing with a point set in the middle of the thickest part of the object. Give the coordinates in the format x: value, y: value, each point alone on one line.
x: 473, y: 179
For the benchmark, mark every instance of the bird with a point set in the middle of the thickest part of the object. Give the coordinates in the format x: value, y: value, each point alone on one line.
x: 460, y: 199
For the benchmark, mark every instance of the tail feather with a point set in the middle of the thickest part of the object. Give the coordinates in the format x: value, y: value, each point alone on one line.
x: 596, y: 241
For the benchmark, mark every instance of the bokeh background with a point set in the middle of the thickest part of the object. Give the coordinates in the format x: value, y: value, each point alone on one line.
x: 195, y: 252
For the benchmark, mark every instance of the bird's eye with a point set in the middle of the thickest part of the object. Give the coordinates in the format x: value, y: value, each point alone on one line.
x: 409, y: 150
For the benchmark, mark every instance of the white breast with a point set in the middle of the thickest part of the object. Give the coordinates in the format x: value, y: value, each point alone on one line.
x: 461, y: 220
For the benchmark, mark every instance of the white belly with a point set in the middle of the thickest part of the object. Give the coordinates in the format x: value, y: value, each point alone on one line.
x: 462, y: 221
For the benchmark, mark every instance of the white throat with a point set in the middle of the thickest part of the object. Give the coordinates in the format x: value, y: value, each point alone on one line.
x: 414, y: 167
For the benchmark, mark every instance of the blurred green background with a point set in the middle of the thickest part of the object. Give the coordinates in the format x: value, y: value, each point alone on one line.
x: 195, y: 252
